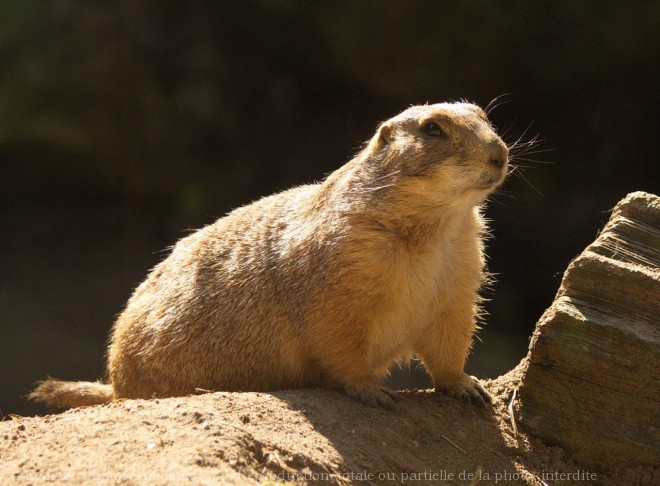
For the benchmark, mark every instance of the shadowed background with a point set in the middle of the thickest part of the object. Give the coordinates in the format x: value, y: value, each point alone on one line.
x: 124, y: 124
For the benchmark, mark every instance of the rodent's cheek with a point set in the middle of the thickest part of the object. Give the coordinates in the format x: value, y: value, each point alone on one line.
x: 480, y: 175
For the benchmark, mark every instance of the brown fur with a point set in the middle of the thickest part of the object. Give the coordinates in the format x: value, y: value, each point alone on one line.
x: 325, y: 284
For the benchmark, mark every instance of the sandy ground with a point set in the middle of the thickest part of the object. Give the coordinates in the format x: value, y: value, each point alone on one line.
x: 296, y: 437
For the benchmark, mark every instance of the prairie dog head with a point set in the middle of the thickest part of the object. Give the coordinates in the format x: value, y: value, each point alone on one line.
x: 440, y: 152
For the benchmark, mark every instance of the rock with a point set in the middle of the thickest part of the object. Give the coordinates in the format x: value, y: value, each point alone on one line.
x: 590, y: 382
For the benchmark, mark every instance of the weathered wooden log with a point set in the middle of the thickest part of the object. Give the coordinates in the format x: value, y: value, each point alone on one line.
x: 591, y: 380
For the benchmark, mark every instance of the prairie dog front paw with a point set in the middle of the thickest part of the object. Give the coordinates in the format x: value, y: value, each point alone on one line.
x: 372, y: 394
x: 467, y: 388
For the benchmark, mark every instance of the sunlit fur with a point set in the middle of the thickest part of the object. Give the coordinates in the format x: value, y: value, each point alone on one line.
x: 325, y: 284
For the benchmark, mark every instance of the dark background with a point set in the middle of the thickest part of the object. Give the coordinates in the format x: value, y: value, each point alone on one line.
x: 124, y: 124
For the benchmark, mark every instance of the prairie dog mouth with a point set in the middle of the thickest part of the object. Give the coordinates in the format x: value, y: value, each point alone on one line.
x: 491, y: 183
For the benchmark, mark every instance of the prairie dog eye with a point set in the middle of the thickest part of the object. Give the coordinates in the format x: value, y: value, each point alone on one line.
x: 433, y: 129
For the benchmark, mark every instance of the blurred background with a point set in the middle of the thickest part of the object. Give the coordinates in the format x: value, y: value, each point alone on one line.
x: 125, y: 124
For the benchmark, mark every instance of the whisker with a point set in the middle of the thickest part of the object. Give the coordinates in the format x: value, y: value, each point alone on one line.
x: 532, y: 152
x: 494, y: 103
x: 374, y: 189
x: 535, y: 161
x: 500, y: 192
x: 513, y: 169
x: 520, y: 143
x: 390, y: 174
x: 527, y: 147
x: 522, y: 176
x: 504, y: 193
x: 506, y: 130
x: 494, y: 199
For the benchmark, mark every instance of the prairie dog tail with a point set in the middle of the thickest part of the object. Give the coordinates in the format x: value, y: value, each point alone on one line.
x: 68, y: 394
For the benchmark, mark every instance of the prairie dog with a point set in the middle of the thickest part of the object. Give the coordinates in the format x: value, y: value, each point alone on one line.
x: 324, y: 284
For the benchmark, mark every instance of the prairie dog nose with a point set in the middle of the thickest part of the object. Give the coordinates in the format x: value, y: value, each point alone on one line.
x: 498, y: 153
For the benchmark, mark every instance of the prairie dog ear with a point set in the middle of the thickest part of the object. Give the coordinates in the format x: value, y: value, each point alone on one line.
x: 385, y: 133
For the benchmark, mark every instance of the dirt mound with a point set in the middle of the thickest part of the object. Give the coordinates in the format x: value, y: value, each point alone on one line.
x: 299, y: 437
